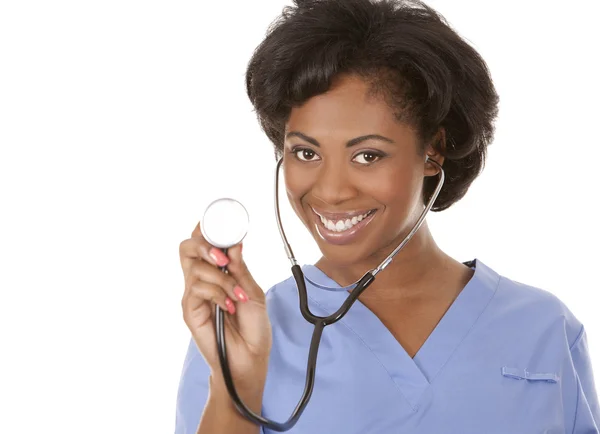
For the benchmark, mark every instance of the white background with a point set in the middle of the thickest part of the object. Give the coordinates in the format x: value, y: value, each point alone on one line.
x: 119, y: 122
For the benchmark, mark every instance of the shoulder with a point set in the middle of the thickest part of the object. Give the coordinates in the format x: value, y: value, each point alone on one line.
x: 282, y: 290
x: 536, y: 307
x: 282, y: 301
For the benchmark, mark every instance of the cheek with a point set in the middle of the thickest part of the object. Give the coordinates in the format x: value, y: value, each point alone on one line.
x: 396, y: 187
x: 297, y: 184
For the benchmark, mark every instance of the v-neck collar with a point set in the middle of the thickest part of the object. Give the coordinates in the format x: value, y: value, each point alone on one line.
x: 412, y: 375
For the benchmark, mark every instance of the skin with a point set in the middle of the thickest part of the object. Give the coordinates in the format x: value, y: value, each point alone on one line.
x: 409, y: 297
x: 422, y: 281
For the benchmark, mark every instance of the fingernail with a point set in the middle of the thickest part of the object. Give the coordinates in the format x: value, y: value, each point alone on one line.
x: 230, y: 305
x: 219, y: 257
x: 240, y: 294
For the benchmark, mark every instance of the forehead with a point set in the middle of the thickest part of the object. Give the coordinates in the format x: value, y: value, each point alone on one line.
x: 348, y: 109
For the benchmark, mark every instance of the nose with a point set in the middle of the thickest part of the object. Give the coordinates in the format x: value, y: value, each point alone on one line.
x: 334, y: 184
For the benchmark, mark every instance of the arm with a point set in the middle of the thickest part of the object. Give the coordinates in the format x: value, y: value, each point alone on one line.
x: 192, y: 393
x: 587, y: 413
x: 203, y: 404
x: 221, y: 416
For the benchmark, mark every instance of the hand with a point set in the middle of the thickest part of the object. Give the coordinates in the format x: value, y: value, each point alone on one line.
x: 247, y: 326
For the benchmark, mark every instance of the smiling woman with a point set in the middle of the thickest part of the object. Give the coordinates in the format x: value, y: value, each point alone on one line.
x: 347, y: 155
x: 364, y: 101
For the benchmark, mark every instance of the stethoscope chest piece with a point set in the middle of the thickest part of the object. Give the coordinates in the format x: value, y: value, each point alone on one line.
x: 225, y: 223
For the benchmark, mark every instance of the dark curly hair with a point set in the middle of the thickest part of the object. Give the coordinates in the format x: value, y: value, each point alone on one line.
x: 406, y: 51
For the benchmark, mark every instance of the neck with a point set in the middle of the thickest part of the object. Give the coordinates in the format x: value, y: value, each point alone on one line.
x: 413, y: 274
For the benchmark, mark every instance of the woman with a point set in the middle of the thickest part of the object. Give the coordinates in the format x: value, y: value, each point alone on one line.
x: 355, y: 95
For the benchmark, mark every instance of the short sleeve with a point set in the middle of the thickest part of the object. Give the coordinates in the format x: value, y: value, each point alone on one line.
x: 587, y: 415
x: 193, y: 391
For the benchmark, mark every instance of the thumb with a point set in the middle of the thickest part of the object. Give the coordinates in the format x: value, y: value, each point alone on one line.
x: 238, y: 269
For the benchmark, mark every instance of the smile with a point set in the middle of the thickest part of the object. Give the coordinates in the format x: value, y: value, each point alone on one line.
x: 341, y: 228
x: 344, y: 223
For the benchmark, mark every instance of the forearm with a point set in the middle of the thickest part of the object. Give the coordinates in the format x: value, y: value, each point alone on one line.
x: 220, y: 415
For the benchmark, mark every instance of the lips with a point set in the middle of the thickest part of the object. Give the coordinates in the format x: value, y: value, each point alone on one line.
x: 340, y: 235
x: 341, y: 215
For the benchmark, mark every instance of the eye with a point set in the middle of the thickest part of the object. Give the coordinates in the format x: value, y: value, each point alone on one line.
x: 367, y: 157
x: 305, y: 154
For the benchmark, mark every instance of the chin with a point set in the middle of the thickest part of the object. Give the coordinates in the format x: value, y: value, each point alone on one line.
x: 348, y: 255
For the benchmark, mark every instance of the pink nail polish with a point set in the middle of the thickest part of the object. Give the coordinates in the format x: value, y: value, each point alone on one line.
x: 230, y: 305
x: 240, y: 294
x: 219, y: 257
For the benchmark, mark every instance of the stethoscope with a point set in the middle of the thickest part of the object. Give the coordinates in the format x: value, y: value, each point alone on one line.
x: 224, y: 224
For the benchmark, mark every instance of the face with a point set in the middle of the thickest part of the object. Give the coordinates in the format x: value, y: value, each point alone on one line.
x: 353, y: 173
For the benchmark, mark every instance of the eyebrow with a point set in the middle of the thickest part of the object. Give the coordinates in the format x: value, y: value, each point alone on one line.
x: 352, y: 142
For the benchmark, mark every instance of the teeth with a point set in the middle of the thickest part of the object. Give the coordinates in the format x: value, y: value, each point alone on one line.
x: 342, y: 225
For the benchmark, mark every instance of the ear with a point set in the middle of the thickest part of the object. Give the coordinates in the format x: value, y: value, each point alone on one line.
x: 435, y: 152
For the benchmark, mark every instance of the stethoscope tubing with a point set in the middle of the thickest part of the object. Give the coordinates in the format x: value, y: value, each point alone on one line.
x: 318, y: 321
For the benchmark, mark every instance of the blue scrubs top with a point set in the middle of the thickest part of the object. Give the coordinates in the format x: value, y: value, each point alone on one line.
x: 505, y: 358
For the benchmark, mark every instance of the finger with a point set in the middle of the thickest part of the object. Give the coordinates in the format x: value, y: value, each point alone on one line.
x: 238, y: 269
x: 197, y: 312
x: 214, y: 293
x: 197, y: 230
x: 209, y: 273
x: 198, y: 247
x: 208, y: 252
x: 188, y: 254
